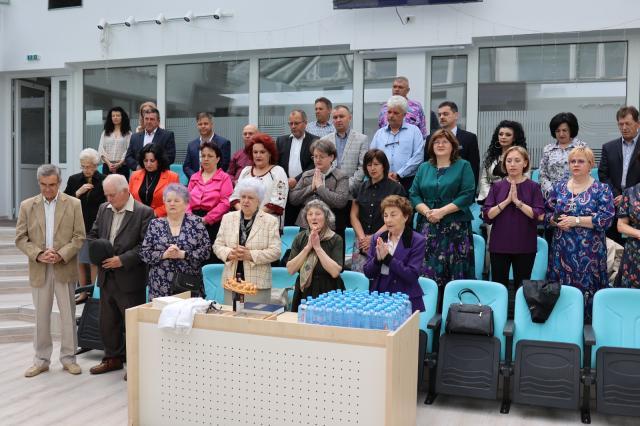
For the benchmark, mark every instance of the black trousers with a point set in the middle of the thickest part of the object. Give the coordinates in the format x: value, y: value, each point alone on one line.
x: 113, y: 304
x: 122, y: 170
x: 522, y: 266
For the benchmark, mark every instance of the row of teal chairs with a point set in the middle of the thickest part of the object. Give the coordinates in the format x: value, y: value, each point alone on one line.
x: 541, y: 364
x: 540, y: 264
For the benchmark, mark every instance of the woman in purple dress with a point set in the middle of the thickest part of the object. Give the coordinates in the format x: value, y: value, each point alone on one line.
x: 580, y: 210
x: 396, y: 255
x: 514, y: 206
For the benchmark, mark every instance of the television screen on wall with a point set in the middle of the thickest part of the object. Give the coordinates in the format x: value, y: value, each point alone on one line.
x: 360, y: 4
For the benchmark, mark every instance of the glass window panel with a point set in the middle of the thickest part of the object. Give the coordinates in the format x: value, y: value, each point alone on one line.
x: 591, y: 94
x: 449, y: 83
x: 378, y: 79
x: 105, y: 88
x: 62, y: 133
x: 295, y: 83
x: 221, y: 88
x: 33, y: 125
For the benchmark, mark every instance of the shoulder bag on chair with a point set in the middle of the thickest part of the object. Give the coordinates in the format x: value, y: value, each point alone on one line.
x: 187, y: 282
x: 468, y: 318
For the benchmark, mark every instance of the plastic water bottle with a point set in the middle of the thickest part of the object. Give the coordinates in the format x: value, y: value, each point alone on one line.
x: 302, y: 312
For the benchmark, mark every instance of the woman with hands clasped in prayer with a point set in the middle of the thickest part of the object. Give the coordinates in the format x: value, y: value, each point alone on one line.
x: 176, y: 243
x: 317, y: 253
x: 514, y: 206
x: 396, y: 255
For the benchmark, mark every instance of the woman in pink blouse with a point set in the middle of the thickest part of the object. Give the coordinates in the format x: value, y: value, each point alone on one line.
x: 210, y: 189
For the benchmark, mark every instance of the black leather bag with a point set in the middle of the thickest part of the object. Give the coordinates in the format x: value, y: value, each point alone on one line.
x: 541, y: 296
x: 187, y: 282
x: 468, y: 318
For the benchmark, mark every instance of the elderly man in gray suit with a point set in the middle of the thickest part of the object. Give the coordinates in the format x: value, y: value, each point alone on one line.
x: 123, y: 277
x: 351, y: 147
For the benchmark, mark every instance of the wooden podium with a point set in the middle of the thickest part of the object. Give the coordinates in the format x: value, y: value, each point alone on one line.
x: 244, y: 371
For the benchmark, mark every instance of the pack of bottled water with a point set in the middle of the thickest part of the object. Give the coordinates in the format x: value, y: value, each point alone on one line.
x: 357, y: 309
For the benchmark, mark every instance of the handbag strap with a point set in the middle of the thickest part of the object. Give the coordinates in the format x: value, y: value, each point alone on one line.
x: 468, y: 290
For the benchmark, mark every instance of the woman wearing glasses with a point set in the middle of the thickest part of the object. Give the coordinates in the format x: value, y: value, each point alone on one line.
x: 580, y: 210
x: 441, y: 193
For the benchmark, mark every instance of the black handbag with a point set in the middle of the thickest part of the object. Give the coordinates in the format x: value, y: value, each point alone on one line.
x: 468, y: 318
x: 187, y: 282
x: 541, y: 296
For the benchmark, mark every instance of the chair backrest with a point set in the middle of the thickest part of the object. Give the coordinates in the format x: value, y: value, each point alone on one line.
x: 430, y: 300
x: 616, y: 319
x: 355, y: 280
x: 594, y: 174
x: 479, y: 247
x: 535, y: 175
x: 476, y: 221
x: 349, y: 240
x: 415, y: 222
x: 212, y: 275
x: 289, y: 233
x: 564, y: 325
x: 489, y: 292
x: 281, y: 278
x: 177, y: 168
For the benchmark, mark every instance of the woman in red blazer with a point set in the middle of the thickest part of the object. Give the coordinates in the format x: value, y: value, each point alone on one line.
x: 148, y: 183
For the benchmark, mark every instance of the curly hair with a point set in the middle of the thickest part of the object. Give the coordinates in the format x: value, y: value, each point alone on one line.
x: 495, y: 150
x: 267, y: 142
x: 125, y: 125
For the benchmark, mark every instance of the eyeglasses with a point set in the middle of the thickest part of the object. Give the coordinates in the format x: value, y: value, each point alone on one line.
x: 441, y: 142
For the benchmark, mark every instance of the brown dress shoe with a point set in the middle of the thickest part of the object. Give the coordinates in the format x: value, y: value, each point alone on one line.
x: 107, y: 364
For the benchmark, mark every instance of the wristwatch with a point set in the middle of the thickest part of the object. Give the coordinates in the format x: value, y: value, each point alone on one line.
x: 577, y: 220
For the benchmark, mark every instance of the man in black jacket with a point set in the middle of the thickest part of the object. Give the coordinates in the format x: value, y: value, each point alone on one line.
x: 620, y: 163
x: 448, y: 118
x: 152, y: 133
x: 294, y: 156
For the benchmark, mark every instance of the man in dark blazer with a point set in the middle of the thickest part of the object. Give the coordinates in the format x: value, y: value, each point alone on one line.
x: 152, y: 134
x: 191, y: 163
x: 294, y: 156
x: 123, y: 277
x: 620, y: 162
x: 448, y: 118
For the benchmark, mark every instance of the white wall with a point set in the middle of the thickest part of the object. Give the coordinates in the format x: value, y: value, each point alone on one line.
x: 70, y: 35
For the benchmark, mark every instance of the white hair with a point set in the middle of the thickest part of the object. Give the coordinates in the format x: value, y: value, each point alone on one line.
x: 397, y: 101
x: 118, y: 181
x: 253, y: 185
x: 90, y: 154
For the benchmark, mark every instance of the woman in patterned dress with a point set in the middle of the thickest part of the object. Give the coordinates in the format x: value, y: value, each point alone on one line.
x: 441, y: 193
x: 178, y: 242
x: 629, y: 225
x: 580, y: 210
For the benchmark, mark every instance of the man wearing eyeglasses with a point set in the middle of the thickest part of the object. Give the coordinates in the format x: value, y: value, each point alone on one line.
x: 620, y: 160
x: 294, y: 155
x: 401, y: 142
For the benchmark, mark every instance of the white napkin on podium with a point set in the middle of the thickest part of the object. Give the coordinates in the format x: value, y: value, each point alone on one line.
x: 179, y: 316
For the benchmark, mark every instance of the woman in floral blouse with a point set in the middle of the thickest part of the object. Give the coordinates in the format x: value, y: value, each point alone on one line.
x: 580, y: 210
x: 629, y: 225
x: 176, y: 243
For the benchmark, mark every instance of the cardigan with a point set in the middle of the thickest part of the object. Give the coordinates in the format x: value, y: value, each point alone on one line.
x: 455, y: 185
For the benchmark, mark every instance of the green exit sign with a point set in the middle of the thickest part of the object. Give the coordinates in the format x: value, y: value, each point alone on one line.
x: 33, y: 57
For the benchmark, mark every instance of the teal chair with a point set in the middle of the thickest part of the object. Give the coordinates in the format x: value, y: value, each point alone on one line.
x: 289, y: 233
x: 96, y: 292
x: 425, y: 342
x: 547, y: 363
x: 535, y: 175
x: 280, y: 278
x: 468, y: 365
x: 616, y: 353
x: 177, y: 168
x: 479, y: 247
x: 594, y: 174
x: 355, y: 280
x: 476, y: 221
x: 349, y: 240
x: 213, y: 288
